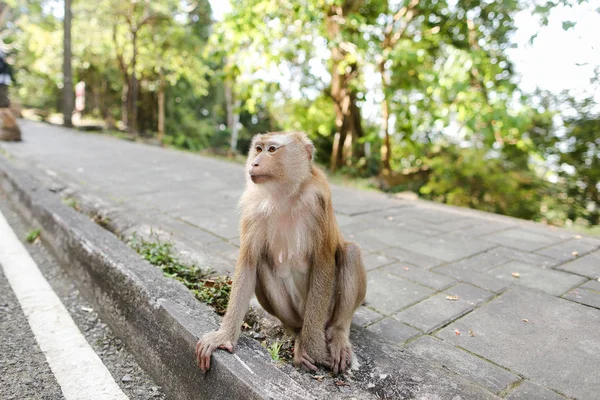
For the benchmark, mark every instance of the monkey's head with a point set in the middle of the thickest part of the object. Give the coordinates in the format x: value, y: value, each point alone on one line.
x: 280, y: 158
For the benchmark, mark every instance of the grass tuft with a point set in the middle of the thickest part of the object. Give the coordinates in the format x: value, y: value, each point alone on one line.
x: 213, y: 291
x: 33, y: 235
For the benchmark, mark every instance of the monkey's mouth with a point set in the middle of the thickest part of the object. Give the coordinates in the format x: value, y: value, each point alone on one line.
x: 259, y: 178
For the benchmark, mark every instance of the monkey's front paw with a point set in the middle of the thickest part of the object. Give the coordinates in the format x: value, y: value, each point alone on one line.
x: 311, y: 357
x: 208, y: 343
x: 341, y: 354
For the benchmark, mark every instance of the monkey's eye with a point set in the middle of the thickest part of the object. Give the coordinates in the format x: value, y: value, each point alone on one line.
x: 258, y: 149
x: 272, y: 149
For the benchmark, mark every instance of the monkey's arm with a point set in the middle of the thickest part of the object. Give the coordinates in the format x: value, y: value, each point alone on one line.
x: 311, y: 347
x: 244, y: 283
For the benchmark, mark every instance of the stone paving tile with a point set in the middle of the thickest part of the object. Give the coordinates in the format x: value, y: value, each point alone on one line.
x: 593, y: 284
x: 485, y: 228
x: 529, y: 258
x: 547, y: 280
x: 584, y: 296
x: 437, y: 311
x: 461, y: 225
x: 394, y: 331
x: 521, y: 239
x: 225, y: 249
x: 529, y: 390
x: 374, y: 260
x: 176, y: 227
x: 563, y: 339
x: 389, y: 293
x: 435, y: 215
x: 364, y: 316
x: 420, y: 260
x: 225, y: 227
x: 449, y: 247
x: 394, y: 237
x: 416, y: 225
x: 343, y: 220
x: 569, y: 250
x: 367, y: 243
x: 468, y: 275
x: 463, y: 363
x: 420, y: 275
x: 588, y: 265
x: 483, y: 262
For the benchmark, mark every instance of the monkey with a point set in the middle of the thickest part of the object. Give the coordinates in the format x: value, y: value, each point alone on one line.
x: 9, y: 130
x: 292, y: 257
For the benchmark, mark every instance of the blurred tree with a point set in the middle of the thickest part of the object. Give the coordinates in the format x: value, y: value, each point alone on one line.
x: 68, y: 99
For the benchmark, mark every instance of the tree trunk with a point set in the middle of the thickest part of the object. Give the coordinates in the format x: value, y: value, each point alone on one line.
x: 233, y: 116
x: 161, y: 109
x: 133, y: 105
x: 125, y: 102
x: 386, y: 153
x: 67, y: 92
x: 348, y: 120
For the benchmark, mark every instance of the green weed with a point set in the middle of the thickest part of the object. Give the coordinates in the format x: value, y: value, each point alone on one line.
x: 33, y: 235
x: 71, y: 202
x: 213, y: 291
x: 273, y: 350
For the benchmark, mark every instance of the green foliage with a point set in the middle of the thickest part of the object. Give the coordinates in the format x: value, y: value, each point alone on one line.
x: 33, y: 235
x: 213, y: 291
x: 71, y: 202
x: 461, y: 131
x: 481, y: 179
x: 274, y: 349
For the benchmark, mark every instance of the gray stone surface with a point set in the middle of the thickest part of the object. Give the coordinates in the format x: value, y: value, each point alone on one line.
x: 584, y: 296
x: 394, y: 331
x: 570, y: 250
x: 388, y: 293
x: 395, y: 237
x: 478, y: 370
x: 368, y: 243
x: 420, y: 275
x: 481, y: 279
x: 529, y: 390
x: 365, y: 316
x: 588, y: 265
x: 593, y: 284
x: 421, y: 260
x: 547, y: 280
x: 558, y: 346
x: 449, y: 247
x: 436, y: 311
x: 376, y: 260
x: 521, y: 239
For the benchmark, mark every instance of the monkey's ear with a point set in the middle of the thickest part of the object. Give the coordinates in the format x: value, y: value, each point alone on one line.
x: 310, y: 150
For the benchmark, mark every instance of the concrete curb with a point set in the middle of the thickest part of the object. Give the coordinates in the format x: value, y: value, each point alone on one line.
x: 160, y: 321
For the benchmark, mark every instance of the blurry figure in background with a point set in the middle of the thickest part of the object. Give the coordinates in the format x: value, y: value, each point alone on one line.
x: 9, y: 130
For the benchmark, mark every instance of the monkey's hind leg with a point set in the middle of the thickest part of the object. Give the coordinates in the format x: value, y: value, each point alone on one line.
x: 351, y: 288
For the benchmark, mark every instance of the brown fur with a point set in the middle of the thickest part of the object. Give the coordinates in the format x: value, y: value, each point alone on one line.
x: 9, y: 130
x: 292, y: 256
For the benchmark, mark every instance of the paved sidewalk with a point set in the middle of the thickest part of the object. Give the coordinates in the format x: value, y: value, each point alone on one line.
x: 512, y: 305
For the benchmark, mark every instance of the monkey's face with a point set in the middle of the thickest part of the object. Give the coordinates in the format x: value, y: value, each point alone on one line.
x: 278, y: 158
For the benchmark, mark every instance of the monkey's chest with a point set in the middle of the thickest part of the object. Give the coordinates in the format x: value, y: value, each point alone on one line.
x: 289, y: 252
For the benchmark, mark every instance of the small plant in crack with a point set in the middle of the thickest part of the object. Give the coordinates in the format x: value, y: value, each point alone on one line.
x: 33, y: 235
x: 274, y: 349
x: 101, y: 220
x: 212, y: 290
x: 71, y: 202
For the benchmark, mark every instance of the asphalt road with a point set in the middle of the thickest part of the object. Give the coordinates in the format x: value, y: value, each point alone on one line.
x: 24, y: 369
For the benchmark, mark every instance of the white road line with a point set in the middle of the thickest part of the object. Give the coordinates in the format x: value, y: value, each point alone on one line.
x: 77, y: 368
